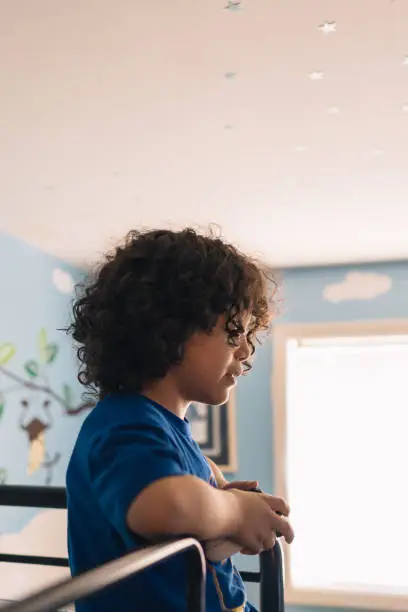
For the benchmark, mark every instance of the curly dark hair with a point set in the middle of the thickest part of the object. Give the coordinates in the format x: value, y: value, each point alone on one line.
x: 133, y: 318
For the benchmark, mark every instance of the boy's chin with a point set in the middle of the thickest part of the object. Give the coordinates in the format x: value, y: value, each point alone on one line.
x: 217, y: 398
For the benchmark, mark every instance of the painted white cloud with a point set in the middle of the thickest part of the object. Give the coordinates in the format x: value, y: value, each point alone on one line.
x: 45, y: 535
x: 62, y: 280
x: 358, y: 286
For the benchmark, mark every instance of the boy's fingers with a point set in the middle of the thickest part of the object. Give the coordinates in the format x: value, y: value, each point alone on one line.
x: 243, y: 485
x: 277, y: 504
x: 281, y: 526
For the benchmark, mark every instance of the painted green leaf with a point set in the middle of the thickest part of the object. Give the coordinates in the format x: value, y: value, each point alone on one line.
x: 31, y: 367
x: 51, y: 351
x: 7, y: 350
x: 2, y: 402
x: 68, y: 395
x: 42, y: 345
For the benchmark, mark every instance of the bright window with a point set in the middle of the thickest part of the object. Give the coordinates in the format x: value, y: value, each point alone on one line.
x: 343, y: 414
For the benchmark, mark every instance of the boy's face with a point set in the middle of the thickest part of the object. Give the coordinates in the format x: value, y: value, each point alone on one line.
x: 211, y: 365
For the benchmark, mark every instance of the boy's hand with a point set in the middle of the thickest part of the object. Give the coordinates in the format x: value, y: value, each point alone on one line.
x: 276, y: 505
x: 261, y: 516
x: 248, y: 485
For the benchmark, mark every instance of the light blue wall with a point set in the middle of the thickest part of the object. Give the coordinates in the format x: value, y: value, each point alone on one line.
x: 303, y: 303
x: 30, y: 302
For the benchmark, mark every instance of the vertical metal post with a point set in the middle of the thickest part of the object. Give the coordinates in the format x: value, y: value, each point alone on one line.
x: 271, y: 580
x: 196, y: 573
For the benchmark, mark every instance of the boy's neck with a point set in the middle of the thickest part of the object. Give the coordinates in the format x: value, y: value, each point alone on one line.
x: 165, y: 393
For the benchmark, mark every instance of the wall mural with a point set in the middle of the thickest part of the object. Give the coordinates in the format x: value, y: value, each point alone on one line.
x: 39, y: 402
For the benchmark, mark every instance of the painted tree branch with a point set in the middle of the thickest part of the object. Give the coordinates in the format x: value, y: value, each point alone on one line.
x: 28, y: 384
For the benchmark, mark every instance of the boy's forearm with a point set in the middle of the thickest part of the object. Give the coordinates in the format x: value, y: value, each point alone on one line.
x: 184, y: 505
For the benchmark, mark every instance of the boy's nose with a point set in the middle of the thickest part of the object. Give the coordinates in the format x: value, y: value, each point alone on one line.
x: 243, y: 351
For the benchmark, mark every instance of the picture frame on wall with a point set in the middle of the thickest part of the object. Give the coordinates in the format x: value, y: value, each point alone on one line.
x: 214, y: 430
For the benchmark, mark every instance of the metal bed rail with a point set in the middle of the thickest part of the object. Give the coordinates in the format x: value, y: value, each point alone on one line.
x: 270, y: 576
x: 72, y: 589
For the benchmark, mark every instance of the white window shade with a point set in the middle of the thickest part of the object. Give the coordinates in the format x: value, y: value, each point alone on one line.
x: 346, y: 466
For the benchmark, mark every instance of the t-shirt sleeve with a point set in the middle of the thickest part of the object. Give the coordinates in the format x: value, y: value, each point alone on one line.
x: 126, y: 462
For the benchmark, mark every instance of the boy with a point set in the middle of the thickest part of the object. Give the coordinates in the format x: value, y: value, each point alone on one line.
x: 170, y: 318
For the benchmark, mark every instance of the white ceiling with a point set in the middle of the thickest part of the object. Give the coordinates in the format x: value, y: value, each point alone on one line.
x: 123, y: 113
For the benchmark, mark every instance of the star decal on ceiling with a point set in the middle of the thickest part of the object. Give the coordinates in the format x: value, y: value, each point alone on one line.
x: 333, y: 110
x: 328, y: 27
x: 233, y: 5
x: 230, y: 75
x: 316, y: 75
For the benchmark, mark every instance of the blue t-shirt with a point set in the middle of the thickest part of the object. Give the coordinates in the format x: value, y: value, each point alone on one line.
x: 125, y: 444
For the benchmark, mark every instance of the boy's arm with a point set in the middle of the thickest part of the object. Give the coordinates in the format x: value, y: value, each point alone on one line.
x: 141, y: 485
x: 184, y: 505
x: 213, y: 515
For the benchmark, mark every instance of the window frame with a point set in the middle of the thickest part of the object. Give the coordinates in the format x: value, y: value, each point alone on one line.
x: 281, y: 334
